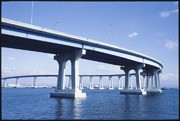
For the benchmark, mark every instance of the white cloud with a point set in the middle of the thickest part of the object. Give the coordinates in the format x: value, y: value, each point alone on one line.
x: 171, y: 44
x: 11, y: 58
x: 133, y: 34
x: 165, y: 14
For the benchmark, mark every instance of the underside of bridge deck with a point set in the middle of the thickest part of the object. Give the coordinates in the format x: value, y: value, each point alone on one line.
x: 47, y: 47
x: 33, y: 45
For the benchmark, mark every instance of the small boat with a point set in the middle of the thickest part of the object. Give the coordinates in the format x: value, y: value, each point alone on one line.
x: 163, y: 88
x: 96, y: 86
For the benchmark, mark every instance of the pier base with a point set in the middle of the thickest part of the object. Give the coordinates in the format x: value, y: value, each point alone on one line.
x: 120, y: 88
x: 110, y: 88
x: 153, y: 91
x: 133, y: 92
x: 101, y: 88
x: 68, y: 94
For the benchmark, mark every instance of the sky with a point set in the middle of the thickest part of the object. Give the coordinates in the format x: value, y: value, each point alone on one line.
x: 150, y: 28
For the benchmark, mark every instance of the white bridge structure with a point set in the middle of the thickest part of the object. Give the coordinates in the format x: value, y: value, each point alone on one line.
x: 146, y: 84
x: 66, y: 47
x: 91, y: 85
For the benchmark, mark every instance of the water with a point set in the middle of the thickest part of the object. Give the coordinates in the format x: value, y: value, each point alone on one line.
x: 36, y: 104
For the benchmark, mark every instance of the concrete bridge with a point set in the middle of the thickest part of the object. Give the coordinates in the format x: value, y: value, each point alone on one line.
x: 91, y: 85
x: 70, y: 47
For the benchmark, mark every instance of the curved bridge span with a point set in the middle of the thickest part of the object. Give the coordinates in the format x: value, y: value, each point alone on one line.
x: 70, y: 47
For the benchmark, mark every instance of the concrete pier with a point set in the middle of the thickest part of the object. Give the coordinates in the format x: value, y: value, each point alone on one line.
x: 81, y: 83
x: 75, y: 92
x: 128, y: 84
x: 154, y: 88
x: 120, y: 85
x: 4, y: 83
x: 35, y: 83
x: 70, y: 82
x: 91, y: 83
x: 100, y: 83
x: 110, y: 83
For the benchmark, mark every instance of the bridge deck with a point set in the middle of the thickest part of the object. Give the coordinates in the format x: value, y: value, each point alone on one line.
x: 29, y: 37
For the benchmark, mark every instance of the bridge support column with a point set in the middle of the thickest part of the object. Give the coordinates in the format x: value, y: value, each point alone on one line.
x: 110, y: 82
x: 130, y: 83
x: 155, y: 80
x: 152, y: 81
x: 126, y: 70
x: 138, y: 89
x: 137, y: 70
x: 144, y: 82
x: 120, y: 86
x: 17, y: 83
x: 4, y: 83
x: 35, y: 84
x: 138, y: 79
x: 158, y: 78
x: 147, y: 80
x: 91, y: 83
x: 81, y: 84
x: 100, y: 83
x: 70, y: 84
x: 62, y: 59
x: 155, y: 86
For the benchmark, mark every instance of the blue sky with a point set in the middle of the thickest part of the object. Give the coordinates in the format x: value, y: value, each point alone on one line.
x: 150, y: 28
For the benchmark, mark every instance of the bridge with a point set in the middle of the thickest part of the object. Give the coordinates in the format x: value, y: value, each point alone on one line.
x: 70, y: 47
x: 91, y: 85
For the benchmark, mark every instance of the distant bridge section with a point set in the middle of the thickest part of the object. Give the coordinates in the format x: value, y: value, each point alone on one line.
x: 52, y: 75
x: 91, y: 86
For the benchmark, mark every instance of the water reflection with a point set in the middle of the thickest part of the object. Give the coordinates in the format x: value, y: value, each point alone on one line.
x: 68, y: 108
x: 131, y: 103
x: 140, y: 107
x: 78, y: 108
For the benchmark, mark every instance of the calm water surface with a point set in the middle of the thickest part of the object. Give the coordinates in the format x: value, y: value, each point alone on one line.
x: 28, y: 103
